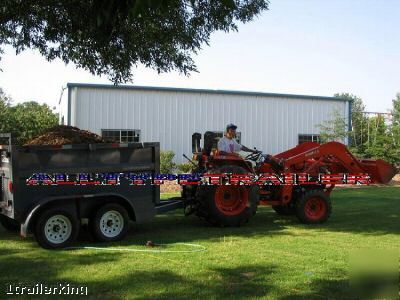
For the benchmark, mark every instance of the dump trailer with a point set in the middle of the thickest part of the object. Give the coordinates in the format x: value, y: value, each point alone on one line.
x: 233, y: 205
x: 54, y: 212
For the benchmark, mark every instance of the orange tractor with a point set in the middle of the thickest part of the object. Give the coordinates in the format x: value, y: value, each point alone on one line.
x: 233, y: 205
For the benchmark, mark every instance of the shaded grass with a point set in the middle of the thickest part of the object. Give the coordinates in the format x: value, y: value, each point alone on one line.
x: 272, y: 257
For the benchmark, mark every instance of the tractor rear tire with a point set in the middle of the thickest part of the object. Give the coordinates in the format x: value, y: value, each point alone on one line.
x: 284, y: 210
x: 228, y: 205
x: 313, y: 207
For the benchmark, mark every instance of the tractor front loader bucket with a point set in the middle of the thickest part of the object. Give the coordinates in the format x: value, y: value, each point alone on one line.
x: 379, y: 170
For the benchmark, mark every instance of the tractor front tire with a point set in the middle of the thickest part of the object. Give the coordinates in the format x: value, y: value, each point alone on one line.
x: 228, y: 205
x: 313, y: 207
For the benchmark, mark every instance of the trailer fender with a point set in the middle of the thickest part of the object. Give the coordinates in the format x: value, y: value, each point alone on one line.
x: 50, y: 200
x: 33, y: 213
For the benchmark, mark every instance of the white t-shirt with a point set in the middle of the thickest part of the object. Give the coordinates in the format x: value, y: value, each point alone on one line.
x: 228, y: 145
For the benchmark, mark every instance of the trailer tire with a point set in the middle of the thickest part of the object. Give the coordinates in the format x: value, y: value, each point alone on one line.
x: 110, y: 223
x: 225, y: 205
x: 56, y: 228
x: 9, y: 224
x: 284, y: 210
x: 313, y: 207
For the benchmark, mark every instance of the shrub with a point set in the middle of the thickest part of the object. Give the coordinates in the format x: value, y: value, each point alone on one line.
x: 185, y: 168
x: 166, y: 162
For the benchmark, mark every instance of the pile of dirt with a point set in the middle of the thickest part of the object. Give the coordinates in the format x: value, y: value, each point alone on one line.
x: 170, y: 187
x: 64, y: 135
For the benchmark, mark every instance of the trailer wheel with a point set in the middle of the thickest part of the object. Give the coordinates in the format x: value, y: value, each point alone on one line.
x: 56, y: 228
x: 313, y: 207
x: 226, y: 205
x: 9, y: 224
x: 110, y: 223
x: 284, y: 210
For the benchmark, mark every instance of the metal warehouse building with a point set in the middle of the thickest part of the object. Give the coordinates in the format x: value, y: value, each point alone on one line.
x: 271, y: 122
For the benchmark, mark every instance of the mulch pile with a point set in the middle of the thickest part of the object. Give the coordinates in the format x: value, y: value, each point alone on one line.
x: 170, y: 187
x: 64, y: 135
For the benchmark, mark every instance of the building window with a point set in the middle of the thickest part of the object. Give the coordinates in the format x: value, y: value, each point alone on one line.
x: 121, y: 136
x: 309, y: 138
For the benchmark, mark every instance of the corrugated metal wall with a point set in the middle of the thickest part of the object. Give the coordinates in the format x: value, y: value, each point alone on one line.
x: 271, y: 124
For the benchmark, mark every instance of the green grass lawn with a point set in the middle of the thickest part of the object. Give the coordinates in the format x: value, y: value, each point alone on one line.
x: 272, y: 257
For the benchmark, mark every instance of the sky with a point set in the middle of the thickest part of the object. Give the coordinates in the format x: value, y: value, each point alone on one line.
x: 311, y: 47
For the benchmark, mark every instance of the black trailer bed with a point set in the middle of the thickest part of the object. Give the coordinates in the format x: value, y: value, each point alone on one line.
x: 19, y: 201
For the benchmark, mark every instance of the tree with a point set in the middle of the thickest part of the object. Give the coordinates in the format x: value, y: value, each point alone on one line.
x: 379, y: 143
x: 167, y: 165
x: 359, y: 132
x: 24, y: 120
x: 30, y: 119
x: 395, y: 131
x: 373, y: 137
x: 395, y: 128
x: 5, y: 116
x: 111, y: 36
x: 334, y: 129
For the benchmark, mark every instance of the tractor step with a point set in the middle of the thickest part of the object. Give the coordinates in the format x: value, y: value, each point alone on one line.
x: 168, y: 205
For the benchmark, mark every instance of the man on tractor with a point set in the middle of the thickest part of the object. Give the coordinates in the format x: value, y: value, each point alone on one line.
x: 227, y: 145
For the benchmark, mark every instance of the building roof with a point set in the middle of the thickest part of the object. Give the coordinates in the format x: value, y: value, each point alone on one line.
x: 202, y: 91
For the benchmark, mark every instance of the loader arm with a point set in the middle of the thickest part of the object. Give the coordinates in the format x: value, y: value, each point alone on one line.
x: 334, y: 157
